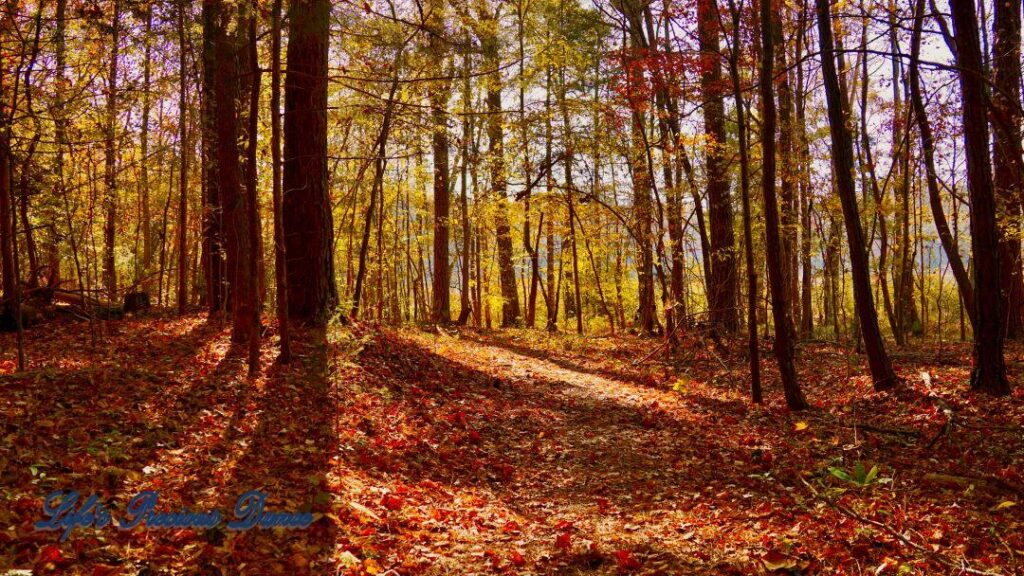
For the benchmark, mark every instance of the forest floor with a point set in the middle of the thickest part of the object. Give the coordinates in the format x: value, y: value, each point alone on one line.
x: 473, y: 452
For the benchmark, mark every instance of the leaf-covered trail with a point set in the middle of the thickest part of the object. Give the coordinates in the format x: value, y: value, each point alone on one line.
x: 502, y: 453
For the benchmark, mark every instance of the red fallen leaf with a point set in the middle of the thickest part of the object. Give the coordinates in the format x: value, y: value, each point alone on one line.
x: 457, y: 418
x: 516, y: 559
x: 510, y: 526
x: 165, y: 550
x: 774, y: 560
x: 564, y: 541
x: 183, y: 536
x: 474, y: 436
x: 602, y: 504
x: 391, y: 502
x: 105, y: 570
x: 625, y: 561
x: 50, y: 553
x: 563, y: 525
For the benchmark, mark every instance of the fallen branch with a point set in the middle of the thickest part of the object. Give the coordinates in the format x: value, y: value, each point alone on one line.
x: 940, y: 558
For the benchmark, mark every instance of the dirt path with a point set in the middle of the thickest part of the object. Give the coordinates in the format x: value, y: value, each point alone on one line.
x: 574, y: 469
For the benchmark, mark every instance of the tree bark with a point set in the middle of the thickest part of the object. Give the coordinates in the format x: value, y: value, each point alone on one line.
x: 842, y: 157
x: 784, y: 348
x: 1007, y: 160
x: 496, y: 136
x: 306, y: 210
x: 183, y: 164
x: 722, y: 287
x: 213, y: 241
x: 280, y: 275
x: 110, y: 159
x: 753, y: 351
x: 956, y: 263
x: 989, y: 374
x: 252, y: 216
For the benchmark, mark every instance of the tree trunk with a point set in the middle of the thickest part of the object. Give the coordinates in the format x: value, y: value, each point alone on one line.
x: 235, y: 199
x: 213, y: 242
x: 842, y: 158
x: 989, y: 373
x: 806, y: 281
x: 306, y: 210
x: 110, y: 159
x: 252, y: 215
x: 9, y: 282
x: 722, y: 288
x: 465, y: 305
x: 783, y: 323
x: 438, y: 93
x: 280, y: 277
x: 789, y: 211
x: 753, y: 351
x: 963, y: 280
x: 496, y: 136
x: 147, y: 217
x: 1007, y: 162
x: 183, y: 165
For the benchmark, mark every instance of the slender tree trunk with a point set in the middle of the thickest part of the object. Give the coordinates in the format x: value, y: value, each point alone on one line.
x: 376, y: 189
x: 306, y: 206
x: 183, y: 163
x: 960, y: 273
x: 438, y: 95
x: 465, y: 305
x: 789, y: 211
x: 147, y: 222
x: 110, y: 158
x: 989, y: 373
x: 280, y: 276
x: 252, y: 216
x: 806, y: 281
x: 842, y: 158
x: 60, y: 133
x: 784, y: 348
x: 9, y: 282
x: 753, y: 351
x: 496, y: 136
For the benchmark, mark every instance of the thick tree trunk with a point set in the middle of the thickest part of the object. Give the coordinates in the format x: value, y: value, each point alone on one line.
x: 842, y: 159
x: 237, y: 237
x: 989, y: 373
x: 1007, y: 160
x: 308, y: 222
x: 722, y: 287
